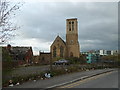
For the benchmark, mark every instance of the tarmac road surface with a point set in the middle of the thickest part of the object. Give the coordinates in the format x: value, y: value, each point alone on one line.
x: 106, y: 80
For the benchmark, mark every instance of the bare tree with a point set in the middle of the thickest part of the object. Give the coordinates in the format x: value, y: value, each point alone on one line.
x: 7, y: 11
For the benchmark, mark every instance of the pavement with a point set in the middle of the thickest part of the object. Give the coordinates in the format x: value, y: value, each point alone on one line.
x: 60, y: 80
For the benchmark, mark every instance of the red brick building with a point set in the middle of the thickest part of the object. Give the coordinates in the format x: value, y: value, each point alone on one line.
x: 20, y: 54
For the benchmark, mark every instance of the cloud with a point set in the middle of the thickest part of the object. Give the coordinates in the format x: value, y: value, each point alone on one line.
x: 41, y: 22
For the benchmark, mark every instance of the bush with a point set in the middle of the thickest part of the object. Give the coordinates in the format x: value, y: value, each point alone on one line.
x: 74, y: 60
x: 56, y: 72
x: 22, y: 79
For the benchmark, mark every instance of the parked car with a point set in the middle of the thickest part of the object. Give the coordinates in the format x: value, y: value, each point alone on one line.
x: 62, y: 62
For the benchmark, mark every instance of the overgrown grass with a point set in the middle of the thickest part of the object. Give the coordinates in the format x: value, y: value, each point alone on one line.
x: 22, y: 79
x: 55, y: 72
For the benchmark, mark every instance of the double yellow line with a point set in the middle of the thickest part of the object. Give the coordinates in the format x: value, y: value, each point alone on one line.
x: 77, y: 83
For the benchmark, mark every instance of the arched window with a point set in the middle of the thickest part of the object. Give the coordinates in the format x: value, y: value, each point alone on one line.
x: 69, y: 26
x: 61, y: 51
x: 71, y: 54
x: 54, y: 51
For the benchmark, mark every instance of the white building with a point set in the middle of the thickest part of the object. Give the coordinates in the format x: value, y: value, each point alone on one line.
x: 103, y: 52
x: 108, y: 52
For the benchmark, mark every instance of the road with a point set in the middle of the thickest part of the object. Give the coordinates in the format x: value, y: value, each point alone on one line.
x: 107, y: 80
x: 58, y: 80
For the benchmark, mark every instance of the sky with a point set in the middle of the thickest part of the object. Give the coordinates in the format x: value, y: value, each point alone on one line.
x: 41, y: 22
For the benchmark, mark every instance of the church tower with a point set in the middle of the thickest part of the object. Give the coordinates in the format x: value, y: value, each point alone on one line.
x: 72, y: 43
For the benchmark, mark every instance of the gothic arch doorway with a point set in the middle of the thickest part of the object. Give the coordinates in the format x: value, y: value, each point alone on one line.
x: 71, y: 54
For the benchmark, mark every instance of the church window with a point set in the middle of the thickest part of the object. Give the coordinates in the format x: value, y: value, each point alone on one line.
x: 71, y: 54
x: 69, y: 29
x: 69, y: 26
x: 58, y: 45
x: 61, y: 51
x: 54, y: 51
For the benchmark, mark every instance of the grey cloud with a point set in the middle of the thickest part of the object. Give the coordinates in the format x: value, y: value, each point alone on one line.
x: 97, y: 22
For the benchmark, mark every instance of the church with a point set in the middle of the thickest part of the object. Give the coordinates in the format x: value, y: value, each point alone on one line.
x: 62, y: 49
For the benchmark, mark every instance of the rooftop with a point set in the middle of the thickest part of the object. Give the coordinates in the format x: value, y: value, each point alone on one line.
x: 72, y: 19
